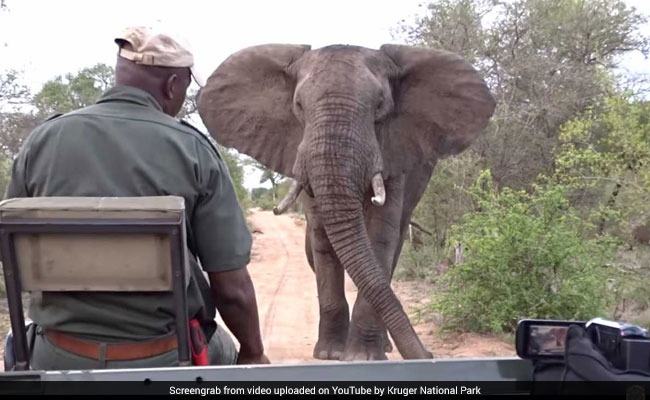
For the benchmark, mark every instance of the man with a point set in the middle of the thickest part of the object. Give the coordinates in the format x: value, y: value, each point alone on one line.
x: 129, y: 144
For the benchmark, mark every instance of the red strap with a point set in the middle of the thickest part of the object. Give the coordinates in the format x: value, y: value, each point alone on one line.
x: 197, y: 344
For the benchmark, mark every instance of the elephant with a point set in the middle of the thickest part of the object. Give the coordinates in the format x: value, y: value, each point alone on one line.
x: 360, y: 131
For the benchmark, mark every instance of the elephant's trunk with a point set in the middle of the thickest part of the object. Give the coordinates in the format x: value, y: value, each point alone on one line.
x: 331, y: 172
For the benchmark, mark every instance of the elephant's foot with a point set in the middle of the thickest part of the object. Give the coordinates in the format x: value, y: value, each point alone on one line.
x: 366, y: 344
x: 329, y: 349
x: 332, y: 333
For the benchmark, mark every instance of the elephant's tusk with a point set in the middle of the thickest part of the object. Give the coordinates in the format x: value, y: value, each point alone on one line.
x: 378, y: 189
x: 289, y: 199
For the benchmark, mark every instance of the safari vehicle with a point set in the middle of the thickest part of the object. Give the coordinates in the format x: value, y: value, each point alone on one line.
x: 61, y: 244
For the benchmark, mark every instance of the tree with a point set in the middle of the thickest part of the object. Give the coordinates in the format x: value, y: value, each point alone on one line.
x: 190, y: 106
x: 14, y: 128
x: 236, y: 170
x: 20, y: 113
x: 274, y: 178
x: 74, y: 91
x: 268, y: 175
x: 12, y: 91
x: 546, y: 62
x: 561, y: 244
x: 15, y: 121
x: 267, y: 199
x: 605, y: 158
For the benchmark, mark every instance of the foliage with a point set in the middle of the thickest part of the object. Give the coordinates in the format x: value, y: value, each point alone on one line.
x: 443, y: 204
x: 550, y: 252
x: 527, y: 255
x: 268, y: 175
x: 417, y: 263
x: 15, y: 122
x: 74, y: 91
x: 545, y: 62
x: 12, y: 91
x: 5, y: 172
x: 263, y: 198
x: 267, y: 199
x: 236, y: 170
x: 190, y: 105
x: 605, y: 158
x: 20, y: 112
x: 14, y: 128
x: 445, y: 201
x: 549, y: 64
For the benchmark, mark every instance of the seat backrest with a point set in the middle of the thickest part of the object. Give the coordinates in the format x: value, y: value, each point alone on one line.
x: 94, y: 244
x: 109, y: 249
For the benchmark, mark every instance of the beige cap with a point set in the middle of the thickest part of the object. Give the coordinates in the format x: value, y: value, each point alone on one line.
x: 157, y: 48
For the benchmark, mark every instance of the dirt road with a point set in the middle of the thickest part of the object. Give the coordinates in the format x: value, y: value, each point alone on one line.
x: 288, y: 302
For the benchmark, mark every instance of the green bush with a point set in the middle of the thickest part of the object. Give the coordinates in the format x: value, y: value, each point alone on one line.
x: 446, y: 200
x: 236, y: 172
x: 266, y: 203
x: 417, y: 263
x: 526, y: 256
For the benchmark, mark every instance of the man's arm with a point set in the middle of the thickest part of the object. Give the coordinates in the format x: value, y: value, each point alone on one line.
x: 223, y: 245
x: 234, y: 296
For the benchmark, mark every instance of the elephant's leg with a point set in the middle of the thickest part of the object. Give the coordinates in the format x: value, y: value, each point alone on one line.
x: 368, y: 339
x: 334, y: 314
x: 416, y: 183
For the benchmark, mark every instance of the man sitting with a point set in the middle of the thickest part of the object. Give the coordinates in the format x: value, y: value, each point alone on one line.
x: 129, y: 144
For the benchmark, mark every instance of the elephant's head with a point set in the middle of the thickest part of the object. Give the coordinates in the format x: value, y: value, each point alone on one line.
x: 340, y: 120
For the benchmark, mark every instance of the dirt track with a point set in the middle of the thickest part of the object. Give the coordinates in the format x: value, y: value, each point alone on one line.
x: 288, y: 302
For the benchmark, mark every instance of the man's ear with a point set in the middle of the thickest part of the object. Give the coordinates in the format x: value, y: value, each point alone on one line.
x: 168, y: 89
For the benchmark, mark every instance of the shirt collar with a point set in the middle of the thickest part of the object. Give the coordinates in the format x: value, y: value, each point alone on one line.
x: 132, y: 95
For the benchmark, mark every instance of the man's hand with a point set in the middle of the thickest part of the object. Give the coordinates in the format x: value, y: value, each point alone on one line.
x: 245, y: 359
x: 234, y: 296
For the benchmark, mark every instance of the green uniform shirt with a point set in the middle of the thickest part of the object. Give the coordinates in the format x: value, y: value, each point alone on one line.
x: 126, y: 146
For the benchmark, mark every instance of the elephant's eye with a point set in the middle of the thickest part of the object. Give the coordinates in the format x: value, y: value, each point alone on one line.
x: 380, y: 108
x: 299, y: 105
x: 380, y: 104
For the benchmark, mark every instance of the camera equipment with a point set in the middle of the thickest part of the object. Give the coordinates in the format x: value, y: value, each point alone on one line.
x: 626, y: 346
x: 540, y: 338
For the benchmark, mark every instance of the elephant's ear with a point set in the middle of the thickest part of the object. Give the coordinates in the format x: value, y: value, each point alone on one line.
x: 441, y: 102
x: 247, y: 104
